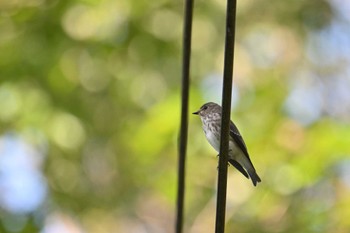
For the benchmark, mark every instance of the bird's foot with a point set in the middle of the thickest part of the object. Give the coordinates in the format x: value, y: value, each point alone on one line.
x: 217, y: 168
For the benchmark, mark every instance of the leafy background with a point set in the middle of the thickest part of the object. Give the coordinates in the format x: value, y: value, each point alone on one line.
x: 89, y: 115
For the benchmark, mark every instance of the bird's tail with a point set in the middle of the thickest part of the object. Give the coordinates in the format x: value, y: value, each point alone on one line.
x: 254, y: 176
x: 248, y: 165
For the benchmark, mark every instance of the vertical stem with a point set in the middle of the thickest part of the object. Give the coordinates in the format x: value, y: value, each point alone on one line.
x: 187, y: 34
x: 225, y: 122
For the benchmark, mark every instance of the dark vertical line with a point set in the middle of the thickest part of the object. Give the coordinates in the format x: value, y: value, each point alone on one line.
x: 225, y: 122
x: 187, y: 34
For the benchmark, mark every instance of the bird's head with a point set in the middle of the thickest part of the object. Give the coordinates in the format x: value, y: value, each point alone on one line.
x: 208, y: 108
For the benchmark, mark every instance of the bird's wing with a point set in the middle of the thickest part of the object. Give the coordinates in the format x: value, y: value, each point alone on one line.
x: 238, y: 167
x: 234, y: 133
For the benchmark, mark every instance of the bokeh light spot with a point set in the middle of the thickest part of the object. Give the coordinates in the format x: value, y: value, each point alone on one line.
x: 22, y: 185
x: 10, y: 102
x: 92, y: 73
x: 287, y: 179
x: 101, y: 21
x: 61, y: 223
x: 148, y: 89
x: 166, y: 25
x: 305, y: 101
x: 67, y: 131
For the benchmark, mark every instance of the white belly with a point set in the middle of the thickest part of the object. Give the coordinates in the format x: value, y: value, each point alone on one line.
x: 234, y: 152
x: 214, y: 142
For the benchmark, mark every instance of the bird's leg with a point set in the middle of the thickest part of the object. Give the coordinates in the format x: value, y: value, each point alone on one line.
x: 228, y: 164
x: 228, y: 152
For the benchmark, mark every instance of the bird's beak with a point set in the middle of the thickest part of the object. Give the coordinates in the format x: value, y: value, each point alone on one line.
x: 196, y: 113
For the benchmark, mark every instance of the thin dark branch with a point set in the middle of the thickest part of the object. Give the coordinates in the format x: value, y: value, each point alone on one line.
x: 187, y: 34
x: 225, y: 123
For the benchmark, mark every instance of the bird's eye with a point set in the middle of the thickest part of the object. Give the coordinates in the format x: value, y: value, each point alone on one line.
x: 205, y: 107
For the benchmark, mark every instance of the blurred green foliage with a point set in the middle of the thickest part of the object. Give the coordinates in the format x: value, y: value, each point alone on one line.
x: 95, y: 85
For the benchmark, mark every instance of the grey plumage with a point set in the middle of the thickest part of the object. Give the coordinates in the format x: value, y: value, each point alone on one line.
x: 210, y: 114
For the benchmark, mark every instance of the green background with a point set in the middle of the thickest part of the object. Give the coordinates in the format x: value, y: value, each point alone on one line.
x: 90, y: 97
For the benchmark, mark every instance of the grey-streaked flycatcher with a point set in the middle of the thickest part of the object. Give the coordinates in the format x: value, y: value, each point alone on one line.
x: 210, y: 114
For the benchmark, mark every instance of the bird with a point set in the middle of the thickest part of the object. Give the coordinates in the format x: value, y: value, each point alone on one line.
x: 210, y: 114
